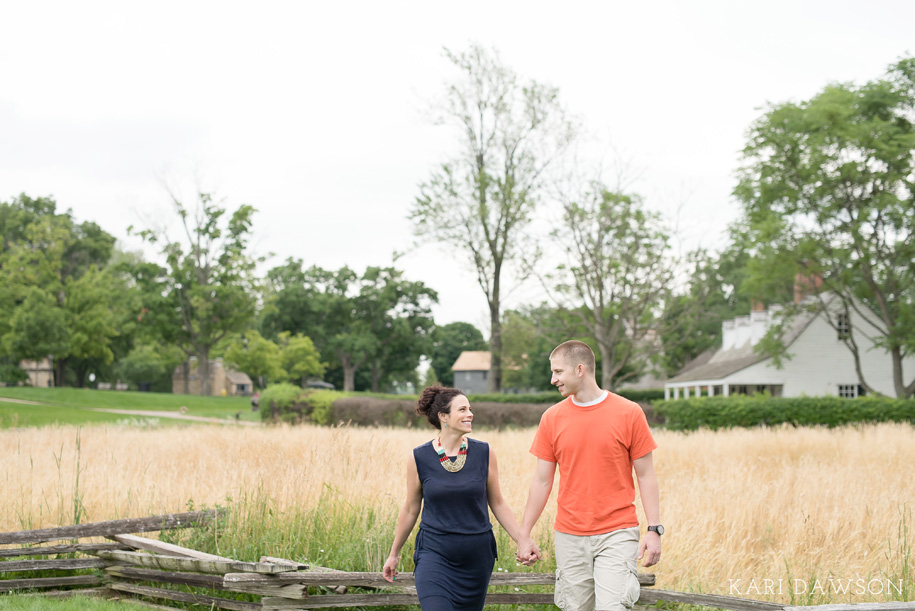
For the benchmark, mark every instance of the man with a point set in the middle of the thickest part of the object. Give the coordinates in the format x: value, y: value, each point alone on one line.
x: 597, y: 438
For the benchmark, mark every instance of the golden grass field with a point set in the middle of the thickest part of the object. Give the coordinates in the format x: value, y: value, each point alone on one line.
x: 747, y: 504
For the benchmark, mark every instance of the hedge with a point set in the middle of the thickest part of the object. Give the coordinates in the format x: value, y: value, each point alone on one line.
x: 762, y: 410
x: 548, y: 397
x: 288, y: 403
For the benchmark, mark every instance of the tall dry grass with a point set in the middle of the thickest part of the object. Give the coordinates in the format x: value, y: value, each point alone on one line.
x: 748, y: 504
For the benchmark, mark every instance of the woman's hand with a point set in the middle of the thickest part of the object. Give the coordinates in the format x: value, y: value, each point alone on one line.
x: 390, y: 569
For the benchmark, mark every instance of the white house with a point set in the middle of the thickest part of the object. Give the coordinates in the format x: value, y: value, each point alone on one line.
x: 819, y: 363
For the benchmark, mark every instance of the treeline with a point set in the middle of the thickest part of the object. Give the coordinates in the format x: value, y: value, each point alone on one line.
x: 825, y: 185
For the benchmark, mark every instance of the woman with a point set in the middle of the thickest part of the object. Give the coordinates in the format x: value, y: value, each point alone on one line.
x: 455, y: 477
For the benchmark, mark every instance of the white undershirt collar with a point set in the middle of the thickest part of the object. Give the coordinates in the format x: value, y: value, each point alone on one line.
x: 603, y: 396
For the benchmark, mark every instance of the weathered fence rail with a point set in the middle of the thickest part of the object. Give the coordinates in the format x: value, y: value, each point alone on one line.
x: 26, y: 540
x: 155, y: 573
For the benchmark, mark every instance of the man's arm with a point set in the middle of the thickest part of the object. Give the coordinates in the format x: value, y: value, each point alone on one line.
x: 541, y: 486
x: 650, y: 545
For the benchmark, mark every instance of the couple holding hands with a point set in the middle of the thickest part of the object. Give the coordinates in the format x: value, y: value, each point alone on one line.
x: 595, y: 437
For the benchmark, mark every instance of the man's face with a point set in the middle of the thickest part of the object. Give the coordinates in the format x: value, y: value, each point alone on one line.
x: 565, y: 376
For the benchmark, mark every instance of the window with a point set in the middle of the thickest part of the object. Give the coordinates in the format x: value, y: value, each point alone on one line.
x: 850, y: 391
x: 843, y: 328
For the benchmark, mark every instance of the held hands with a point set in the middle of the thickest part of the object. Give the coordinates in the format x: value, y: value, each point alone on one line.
x: 650, y: 548
x: 528, y: 552
x: 390, y: 569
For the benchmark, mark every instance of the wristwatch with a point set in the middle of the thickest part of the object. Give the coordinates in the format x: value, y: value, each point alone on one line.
x: 658, y: 529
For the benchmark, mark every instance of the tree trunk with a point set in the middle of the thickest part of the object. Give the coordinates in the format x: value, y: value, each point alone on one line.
x: 203, y: 370
x: 900, y: 386
x: 494, y: 381
x: 60, y: 374
x: 606, y: 366
x: 349, y: 378
x: 186, y: 368
x: 376, y: 375
x: 349, y: 373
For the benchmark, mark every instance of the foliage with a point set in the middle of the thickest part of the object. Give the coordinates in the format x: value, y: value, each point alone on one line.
x: 210, y: 275
x: 277, y: 401
x: 256, y: 356
x: 828, y: 188
x: 713, y: 294
x: 151, y: 364
x: 379, y: 320
x: 618, y: 265
x: 529, y: 336
x: 55, y: 301
x: 322, y: 404
x: 481, y: 201
x: 449, y: 341
x: 757, y: 410
x: 299, y: 358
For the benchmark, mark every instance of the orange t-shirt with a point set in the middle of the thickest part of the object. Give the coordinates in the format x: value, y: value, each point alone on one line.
x: 594, y: 447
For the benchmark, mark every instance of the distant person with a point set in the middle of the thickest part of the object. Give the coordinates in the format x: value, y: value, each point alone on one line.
x: 455, y: 477
x: 596, y: 438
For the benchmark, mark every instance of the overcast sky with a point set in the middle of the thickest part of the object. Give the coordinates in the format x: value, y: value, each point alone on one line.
x: 317, y: 113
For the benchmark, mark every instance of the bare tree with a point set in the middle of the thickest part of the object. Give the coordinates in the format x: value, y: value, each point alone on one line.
x: 483, y: 198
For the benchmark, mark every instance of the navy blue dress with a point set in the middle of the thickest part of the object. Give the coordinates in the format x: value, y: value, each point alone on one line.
x: 455, y: 549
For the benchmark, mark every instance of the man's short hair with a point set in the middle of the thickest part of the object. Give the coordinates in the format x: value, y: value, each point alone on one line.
x: 574, y: 353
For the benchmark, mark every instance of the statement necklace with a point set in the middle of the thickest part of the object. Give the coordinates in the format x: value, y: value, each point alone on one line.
x: 458, y: 464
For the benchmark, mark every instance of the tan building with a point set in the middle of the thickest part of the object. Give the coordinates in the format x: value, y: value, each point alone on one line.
x: 40, y: 373
x: 224, y: 382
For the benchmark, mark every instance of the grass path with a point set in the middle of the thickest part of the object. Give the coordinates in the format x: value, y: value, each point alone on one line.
x: 31, y: 407
x: 175, y: 415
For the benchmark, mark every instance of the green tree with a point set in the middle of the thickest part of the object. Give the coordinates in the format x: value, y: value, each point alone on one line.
x: 91, y: 321
x: 256, y: 356
x: 828, y: 184
x: 37, y: 328
x: 377, y: 322
x: 448, y: 342
x: 46, y: 251
x: 299, y: 358
x: 210, y: 275
x: 481, y: 202
x: 618, y: 275
x: 530, y: 334
x: 150, y: 365
x: 390, y: 321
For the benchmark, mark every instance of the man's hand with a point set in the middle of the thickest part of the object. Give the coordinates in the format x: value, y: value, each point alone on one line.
x: 528, y: 551
x: 650, y: 548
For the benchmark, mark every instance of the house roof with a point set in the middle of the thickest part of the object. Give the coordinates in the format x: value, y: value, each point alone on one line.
x: 237, y: 377
x: 715, y: 365
x: 472, y: 360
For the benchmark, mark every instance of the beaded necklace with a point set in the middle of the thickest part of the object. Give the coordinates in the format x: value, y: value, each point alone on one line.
x: 443, y: 459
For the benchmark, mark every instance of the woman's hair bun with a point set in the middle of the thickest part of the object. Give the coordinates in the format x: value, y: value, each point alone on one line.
x: 435, y: 400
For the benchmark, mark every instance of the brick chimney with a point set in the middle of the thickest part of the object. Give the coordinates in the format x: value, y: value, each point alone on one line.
x: 806, y: 285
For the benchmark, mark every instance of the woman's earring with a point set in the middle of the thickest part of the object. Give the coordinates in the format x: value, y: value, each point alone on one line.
x: 444, y: 425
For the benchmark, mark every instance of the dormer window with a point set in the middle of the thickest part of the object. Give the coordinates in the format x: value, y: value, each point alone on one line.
x: 843, y: 328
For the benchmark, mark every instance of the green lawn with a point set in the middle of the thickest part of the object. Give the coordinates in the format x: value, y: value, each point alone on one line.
x: 71, y: 406
x: 19, y: 602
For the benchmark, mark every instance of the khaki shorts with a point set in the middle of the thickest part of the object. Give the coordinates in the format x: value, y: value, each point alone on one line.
x: 597, y: 572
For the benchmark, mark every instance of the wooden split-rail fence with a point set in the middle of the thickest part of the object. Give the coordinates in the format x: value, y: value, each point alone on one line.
x: 147, y: 570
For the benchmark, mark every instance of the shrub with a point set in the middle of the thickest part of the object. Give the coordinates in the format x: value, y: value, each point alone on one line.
x: 372, y: 411
x: 280, y: 402
x: 756, y: 410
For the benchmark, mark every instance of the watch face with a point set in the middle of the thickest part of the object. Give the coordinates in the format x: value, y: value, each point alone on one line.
x: 658, y: 529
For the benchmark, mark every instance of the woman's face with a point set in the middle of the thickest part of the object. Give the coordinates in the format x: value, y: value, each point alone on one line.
x: 459, y: 418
